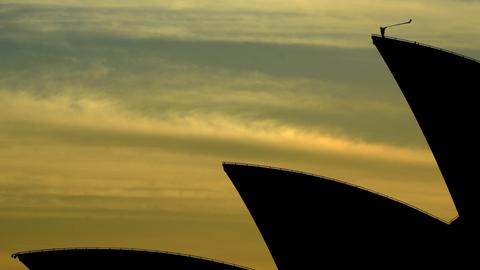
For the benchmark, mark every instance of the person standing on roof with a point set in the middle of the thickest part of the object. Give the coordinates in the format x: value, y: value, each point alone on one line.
x: 383, y: 28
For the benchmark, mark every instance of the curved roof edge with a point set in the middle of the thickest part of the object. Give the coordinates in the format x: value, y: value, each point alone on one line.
x: 426, y: 46
x: 342, y: 182
x: 16, y: 254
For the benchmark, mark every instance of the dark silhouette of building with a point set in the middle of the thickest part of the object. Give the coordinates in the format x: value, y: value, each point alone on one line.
x: 308, y: 220
x: 114, y: 258
x: 441, y: 88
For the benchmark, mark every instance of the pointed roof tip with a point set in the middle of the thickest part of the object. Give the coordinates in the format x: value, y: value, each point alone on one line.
x: 228, y: 166
x: 376, y: 39
x: 379, y: 37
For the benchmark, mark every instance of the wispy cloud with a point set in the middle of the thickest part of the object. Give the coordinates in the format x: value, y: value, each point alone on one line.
x: 334, y: 91
x: 103, y: 117
x: 197, y: 103
x: 63, y: 151
x: 339, y: 23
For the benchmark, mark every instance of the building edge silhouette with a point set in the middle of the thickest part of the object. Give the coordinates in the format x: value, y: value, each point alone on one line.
x: 303, y: 216
x: 116, y: 258
x: 441, y: 88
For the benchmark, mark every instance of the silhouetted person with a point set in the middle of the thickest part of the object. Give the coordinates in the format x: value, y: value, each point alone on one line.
x: 382, y: 31
x: 383, y: 28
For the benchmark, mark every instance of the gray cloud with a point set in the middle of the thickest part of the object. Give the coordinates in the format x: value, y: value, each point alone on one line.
x: 351, y: 86
x: 345, y: 24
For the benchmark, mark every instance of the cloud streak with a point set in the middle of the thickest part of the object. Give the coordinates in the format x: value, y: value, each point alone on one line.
x: 63, y: 122
x: 104, y: 119
x: 340, y: 23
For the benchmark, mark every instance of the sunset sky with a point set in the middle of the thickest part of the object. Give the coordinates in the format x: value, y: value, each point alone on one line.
x: 115, y: 116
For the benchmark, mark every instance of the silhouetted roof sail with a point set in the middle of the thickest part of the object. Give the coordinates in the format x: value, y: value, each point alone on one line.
x: 303, y: 216
x: 441, y: 88
x: 114, y: 258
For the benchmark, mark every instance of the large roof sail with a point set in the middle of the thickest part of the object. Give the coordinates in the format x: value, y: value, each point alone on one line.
x: 441, y: 88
